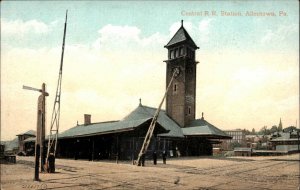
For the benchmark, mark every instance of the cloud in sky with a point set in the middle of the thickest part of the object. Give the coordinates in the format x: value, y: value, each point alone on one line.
x: 20, y: 27
x: 121, y: 37
x: 284, y: 36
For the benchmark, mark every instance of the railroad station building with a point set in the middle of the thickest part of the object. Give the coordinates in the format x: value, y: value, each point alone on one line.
x: 177, y: 131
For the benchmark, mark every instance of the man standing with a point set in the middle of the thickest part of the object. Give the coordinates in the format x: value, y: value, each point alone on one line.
x: 164, y: 156
x: 154, y: 157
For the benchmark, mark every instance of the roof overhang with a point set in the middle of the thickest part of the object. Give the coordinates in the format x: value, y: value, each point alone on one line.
x: 96, y: 134
x: 208, y: 136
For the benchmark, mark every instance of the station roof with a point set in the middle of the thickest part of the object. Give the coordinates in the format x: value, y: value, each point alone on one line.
x: 139, y: 116
x: 201, y: 127
x: 165, y: 121
x: 103, y: 128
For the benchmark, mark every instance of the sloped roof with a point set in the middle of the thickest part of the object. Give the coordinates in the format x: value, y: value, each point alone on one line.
x: 284, y: 136
x: 102, y: 128
x: 11, y: 145
x: 181, y: 36
x: 139, y: 116
x: 165, y: 121
x: 201, y: 127
x: 31, y: 139
x: 30, y: 132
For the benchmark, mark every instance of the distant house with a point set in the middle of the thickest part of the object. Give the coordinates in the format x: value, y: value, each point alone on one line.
x: 22, y: 137
x: 242, y: 151
x: 258, y: 141
x: 286, y: 141
x: 11, y: 147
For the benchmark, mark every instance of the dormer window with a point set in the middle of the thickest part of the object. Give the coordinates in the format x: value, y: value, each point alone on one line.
x: 180, y: 51
x: 172, y: 54
x: 176, y: 52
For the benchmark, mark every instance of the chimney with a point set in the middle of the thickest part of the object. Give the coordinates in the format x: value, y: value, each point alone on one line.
x: 87, y: 119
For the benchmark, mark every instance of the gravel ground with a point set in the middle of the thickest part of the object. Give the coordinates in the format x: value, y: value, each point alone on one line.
x: 205, y: 173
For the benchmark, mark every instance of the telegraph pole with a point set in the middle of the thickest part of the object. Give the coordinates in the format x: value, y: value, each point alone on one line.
x: 40, y: 130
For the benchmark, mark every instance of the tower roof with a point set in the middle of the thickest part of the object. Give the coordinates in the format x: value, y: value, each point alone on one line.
x: 181, y: 36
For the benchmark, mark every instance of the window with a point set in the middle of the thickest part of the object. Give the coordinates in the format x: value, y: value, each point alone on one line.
x: 171, y: 54
x: 175, y: 88
x: 176, y: 53
x: 189, y: 110
x: 180, y: 51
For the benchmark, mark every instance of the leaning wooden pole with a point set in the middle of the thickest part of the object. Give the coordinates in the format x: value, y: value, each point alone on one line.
x: 151, y: 128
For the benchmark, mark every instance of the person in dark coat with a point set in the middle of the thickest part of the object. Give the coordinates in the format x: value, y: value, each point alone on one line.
x: 164, y: 156
x: 51, y: 160
x: 154, y: 157
x: 143, y: 159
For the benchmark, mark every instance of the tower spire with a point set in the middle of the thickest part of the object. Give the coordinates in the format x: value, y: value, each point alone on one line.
x: 181, y: 23
x: 280, y: 125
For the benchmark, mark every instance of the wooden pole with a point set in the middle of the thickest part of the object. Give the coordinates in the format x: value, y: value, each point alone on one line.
x: 43, y: 126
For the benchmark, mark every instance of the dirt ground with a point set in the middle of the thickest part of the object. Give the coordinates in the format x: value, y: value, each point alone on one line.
x: 209, y: 173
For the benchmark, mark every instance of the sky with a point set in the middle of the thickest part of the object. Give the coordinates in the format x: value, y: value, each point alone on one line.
x: 247, y: 75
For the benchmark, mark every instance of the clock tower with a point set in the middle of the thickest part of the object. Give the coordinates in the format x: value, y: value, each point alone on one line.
x: 181, y: 97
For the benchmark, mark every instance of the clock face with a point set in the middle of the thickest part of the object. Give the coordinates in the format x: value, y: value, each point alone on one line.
x: 176, y: 71
x: 189, y: 99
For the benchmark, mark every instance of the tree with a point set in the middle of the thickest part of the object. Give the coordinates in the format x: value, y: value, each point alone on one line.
x: 273, y: 129
x: 264, y: 131
x: 290, y: 129
x: 234, y: 144
x: 253, y: 132
x: 247, y: 132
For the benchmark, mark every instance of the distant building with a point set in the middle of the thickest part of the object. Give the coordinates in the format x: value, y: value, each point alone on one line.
x: 238, y: 139
x: 258, y: 141
x: 22, y: 137
x: 286, y: 141
x: 242, y: 151
x: 237, y: 135
x: 12, y: 147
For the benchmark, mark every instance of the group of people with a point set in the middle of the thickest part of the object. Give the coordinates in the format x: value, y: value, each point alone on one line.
x: 154, y: 156
x: 164, y: 157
